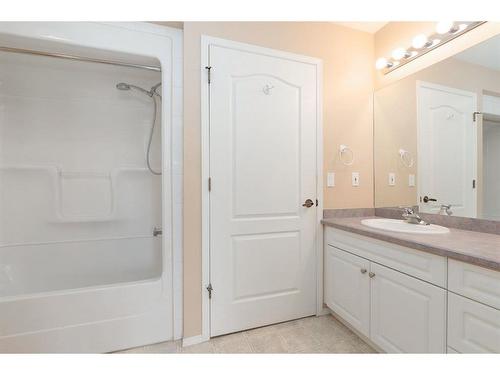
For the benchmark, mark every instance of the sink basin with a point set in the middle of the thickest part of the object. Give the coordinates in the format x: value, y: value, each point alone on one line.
x: 404, y: 227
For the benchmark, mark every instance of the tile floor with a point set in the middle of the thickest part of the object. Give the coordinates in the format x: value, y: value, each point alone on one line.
x: 323, y: 334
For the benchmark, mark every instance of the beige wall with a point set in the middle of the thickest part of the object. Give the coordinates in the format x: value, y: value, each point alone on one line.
x: 396, y: 126
x: 347, y: 116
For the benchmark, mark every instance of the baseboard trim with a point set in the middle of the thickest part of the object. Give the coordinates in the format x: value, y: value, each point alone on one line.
x: 325, y: 311
x: 193, y: 340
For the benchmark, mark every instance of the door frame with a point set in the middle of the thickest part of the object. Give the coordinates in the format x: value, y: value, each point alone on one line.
x: 206, y: 41
x: 452, y: 90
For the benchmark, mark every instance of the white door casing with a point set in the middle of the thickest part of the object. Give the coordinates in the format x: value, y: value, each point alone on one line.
x: 263, y: 165
x: 447, y: 157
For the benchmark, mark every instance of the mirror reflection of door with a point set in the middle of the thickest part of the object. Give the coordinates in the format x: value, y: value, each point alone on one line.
x: 491, y: 158
x: 447, y: 138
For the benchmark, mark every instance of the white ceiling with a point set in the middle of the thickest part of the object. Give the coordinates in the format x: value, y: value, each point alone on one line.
x: 369, y: 27
x: 486, y: 54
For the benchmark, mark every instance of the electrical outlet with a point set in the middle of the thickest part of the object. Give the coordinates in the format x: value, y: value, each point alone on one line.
x: 392, y: 179
x: 330, y: 179
x: 355, y: 178
x: 411, y: 180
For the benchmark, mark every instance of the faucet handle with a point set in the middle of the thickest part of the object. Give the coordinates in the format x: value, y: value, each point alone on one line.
x: 446, y: 208
x: 407, y: 210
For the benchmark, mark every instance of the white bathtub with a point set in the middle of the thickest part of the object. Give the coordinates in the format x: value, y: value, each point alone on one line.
x: 57, y: 298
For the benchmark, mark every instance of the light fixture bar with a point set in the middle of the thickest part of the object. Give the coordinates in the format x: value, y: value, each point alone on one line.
x: 446, y: 31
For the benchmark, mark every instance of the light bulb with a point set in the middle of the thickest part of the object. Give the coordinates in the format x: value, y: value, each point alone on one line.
x: 381, y: 63
x: 419, y: 41
x: 399, y: 53
x: 444, y: 27
x: 434, y: 43
x: 462, y: 26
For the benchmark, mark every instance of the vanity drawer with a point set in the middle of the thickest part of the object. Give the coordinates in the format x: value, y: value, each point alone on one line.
x: 422, y: 265
x: 477, y: 283
x: 472, y: 326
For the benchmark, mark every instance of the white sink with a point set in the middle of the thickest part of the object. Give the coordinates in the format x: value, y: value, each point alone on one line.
x: 404, y: 227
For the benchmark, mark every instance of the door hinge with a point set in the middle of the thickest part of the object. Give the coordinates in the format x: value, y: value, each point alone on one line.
x: 210, y: 289
x: 209, y: 73
x: 473, y: 184
x: 474, y: 115
x: 210, y: 184
x: 317, y: 203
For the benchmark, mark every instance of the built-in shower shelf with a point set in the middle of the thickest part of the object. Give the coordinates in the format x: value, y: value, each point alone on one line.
x: 80, y: 196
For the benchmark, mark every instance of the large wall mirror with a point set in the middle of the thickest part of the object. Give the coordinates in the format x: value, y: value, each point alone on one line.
x: 437, y: 136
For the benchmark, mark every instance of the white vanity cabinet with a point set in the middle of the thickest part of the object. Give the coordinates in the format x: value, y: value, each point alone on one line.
x: 347, y: 287
x: 473, y: 308
x: 407, y: 315
x: 410, y: 301
x: 399, y: 312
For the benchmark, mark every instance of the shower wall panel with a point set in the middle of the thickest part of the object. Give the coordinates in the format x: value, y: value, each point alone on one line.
x: 77, y: 203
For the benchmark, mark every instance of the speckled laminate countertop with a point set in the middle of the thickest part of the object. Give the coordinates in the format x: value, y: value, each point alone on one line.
x: 482, y: 249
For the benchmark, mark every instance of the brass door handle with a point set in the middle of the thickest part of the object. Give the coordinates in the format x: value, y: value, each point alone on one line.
x: 308, y: 203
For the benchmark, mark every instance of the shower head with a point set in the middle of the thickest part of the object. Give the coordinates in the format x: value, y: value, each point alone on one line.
x: 123, y: 86
x: 127, y: 86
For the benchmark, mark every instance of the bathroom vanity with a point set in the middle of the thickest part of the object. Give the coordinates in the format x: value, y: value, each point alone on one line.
x: 414, y: 293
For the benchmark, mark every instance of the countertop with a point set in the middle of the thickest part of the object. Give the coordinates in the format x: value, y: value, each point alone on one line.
x: 482, y: 249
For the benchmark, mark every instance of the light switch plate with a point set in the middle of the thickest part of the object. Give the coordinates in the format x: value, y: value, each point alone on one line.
x: 330, y: 179
x: 411, y: 180
x: 355, y: 178
x: 392, y: 179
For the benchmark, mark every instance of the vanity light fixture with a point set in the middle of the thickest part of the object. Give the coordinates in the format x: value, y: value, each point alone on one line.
x: 400, y: 53
x: 421, y: 44
x: 421, y: 41
x: 445, y: 27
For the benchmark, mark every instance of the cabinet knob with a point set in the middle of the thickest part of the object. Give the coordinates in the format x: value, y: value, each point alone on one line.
x: 371, y: 274
x: 363, y: 270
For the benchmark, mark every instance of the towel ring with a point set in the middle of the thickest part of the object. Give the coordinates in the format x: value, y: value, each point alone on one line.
x: 343, y: 149
x: 406, y: 158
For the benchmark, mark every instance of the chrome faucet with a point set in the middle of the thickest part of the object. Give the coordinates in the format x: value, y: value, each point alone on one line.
x: 412, y: 217
x: 445, y: 210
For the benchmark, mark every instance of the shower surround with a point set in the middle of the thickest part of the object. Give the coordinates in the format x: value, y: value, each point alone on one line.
x: 81, y: 266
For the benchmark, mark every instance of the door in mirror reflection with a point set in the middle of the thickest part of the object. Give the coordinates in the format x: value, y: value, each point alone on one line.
x: 447, y: 139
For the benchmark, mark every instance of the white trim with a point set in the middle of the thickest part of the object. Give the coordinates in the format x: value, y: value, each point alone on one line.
x: 206, y: 41
x: 193, y: 340
x: 123, y: 37
x: 452, y: 90
x: 205, y: 196
x: 319, y: 189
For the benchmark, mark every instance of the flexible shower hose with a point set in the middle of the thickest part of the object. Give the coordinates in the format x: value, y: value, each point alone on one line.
x: 148, y: 152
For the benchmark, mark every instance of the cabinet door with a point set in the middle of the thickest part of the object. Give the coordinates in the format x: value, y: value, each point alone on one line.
x: 472, y: 326
x: 347, y: 287
x: 407, y: 315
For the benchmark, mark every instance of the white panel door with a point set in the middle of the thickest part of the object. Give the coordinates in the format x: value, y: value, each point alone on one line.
x: 263, y: 121
x: 347, y: 287
x: 446, y: 148
x: 407, y: 315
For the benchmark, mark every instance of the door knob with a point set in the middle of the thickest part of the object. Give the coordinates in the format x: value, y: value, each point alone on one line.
x: 363, y: 270
x: 427, y: 199
x: 308, y: 203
